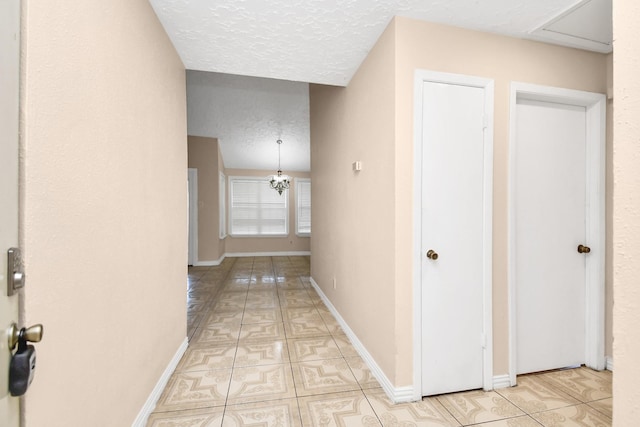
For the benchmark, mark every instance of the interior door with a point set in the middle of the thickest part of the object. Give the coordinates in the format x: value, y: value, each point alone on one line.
x: 453, y: 137
x: 9, y: 102
x: 550, y: 212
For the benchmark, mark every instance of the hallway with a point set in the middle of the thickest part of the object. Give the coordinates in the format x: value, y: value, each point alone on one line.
x: 265, y: 351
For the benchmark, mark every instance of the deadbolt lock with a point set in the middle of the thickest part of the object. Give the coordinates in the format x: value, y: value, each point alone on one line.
x: 15, y: 273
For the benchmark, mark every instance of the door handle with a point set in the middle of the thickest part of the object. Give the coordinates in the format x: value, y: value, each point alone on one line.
x: 583, y: 249
x: 431, y: 254
x: 31, y: 334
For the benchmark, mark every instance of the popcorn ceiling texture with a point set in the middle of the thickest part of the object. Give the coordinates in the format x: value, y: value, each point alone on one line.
x: 248, y: 115
x: 321, y: 41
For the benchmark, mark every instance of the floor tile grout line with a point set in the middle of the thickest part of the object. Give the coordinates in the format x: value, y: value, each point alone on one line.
x: 599, y: 411
x: 290, y: 363
x: 447, y: 409
x: 480, y: 424
x: 235, y: 353
x: 372, y: 407
x: 555, y: 390
x: 560, y: 388
x: 511, y: 402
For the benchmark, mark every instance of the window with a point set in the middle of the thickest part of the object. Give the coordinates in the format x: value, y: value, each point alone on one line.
x: 222, y: 203
x: 303, y: 206
x: 257, y: 209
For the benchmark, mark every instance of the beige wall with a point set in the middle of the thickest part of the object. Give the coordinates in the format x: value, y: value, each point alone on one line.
x: 203, y: 155
x: 365, y: 118
x: 249, y: 245
x: 626, y: 231
x: 103, y: 220
x: 353, y: 212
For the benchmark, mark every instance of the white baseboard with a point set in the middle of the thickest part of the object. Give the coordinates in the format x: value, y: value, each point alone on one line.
x: 150, y: 404
x: 247, y: 254
x: 609, y: 363
x: 396, y: 394
x: 209, y: 263
x: 501, y: 381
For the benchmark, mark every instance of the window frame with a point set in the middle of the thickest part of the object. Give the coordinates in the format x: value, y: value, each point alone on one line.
x: 259, y: 180
x: 222, y: 206
x: 298, y: 182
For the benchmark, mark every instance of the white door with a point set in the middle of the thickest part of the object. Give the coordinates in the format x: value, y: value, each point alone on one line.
x: 454, y: 118
x: 550, y: 223
x: 9, y: 101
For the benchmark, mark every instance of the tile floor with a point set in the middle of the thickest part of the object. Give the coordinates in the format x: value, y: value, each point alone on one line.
x: 265, y: 351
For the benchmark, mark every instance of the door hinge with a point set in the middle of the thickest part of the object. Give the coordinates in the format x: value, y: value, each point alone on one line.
x: 485, y: 121
x: 483, y: 340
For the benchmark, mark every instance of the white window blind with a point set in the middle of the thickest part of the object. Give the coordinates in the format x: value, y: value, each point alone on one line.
x: 257, y: 209
x: 303, y: 206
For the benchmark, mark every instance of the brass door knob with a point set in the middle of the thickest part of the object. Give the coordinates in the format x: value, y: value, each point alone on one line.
x: 431, y: 254
x: 583, y: 249
x: 31, y: 334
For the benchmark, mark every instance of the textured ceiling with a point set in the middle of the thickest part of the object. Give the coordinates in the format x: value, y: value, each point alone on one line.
x: 324, y: 41
x: 248, y: 115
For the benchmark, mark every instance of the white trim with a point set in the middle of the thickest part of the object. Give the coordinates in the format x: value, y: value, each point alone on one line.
x: 609, y: 364
x: 595, y: 105
x: 261, y: 254
x: 249, y: 254
x: 501, y: 381
x: 297, y: 182
x: 222, y: 206
x: 396, y: 394
x: 420, y: 77
x: 150, y: 404
x: 210, y: 263
x: 192, y: 188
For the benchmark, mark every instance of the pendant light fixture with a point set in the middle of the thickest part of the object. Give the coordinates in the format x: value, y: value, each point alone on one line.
x: 278, y: 181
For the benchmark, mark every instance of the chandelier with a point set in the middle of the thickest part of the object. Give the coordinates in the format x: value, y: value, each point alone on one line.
x: 278, y: 181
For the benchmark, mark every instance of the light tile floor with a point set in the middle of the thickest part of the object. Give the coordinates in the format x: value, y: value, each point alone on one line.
x: 265, y: 351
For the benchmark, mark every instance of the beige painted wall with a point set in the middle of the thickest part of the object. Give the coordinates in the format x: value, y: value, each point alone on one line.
x: 103, y: 220
x: 626, y: 231
x: 203, y: 155
x: 365, y: 118
x: 248, y: 245
x: 353, y: 212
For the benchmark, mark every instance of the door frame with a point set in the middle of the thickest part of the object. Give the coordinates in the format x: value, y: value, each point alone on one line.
x: 596, y: 107
x: 11, y: 408
x: 192, y: 190
x: 420, y: 77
